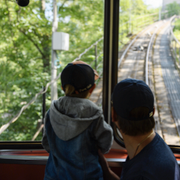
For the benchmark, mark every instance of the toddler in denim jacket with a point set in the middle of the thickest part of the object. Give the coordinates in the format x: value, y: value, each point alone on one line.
x: 75, y: 128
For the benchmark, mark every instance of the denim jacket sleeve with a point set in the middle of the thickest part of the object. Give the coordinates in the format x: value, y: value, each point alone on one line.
x: 104, y: 135
x: 45, y: 143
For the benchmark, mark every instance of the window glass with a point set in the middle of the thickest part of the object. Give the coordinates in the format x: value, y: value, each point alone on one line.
x: 25, y: 58
x: 138, y: 22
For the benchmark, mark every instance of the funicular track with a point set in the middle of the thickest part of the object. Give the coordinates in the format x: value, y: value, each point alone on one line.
x: 140, y: 61
x: 167, y: 85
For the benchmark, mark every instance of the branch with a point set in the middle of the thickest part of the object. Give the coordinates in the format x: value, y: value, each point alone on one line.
x: 62, y: 4
x: 32, y: 42
x: 42, y: 5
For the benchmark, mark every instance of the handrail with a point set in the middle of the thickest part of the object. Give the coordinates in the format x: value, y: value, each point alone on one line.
x: 173, y: 47
x: 79, y: 57
x: 171, y: 29
x: 147, y: 56
x: 130, y: 44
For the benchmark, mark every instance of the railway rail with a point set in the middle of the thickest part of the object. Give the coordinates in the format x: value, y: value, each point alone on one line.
x: 167, y: 82
x: 142, y: 60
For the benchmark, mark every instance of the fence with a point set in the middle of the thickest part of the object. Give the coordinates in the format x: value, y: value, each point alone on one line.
x: 174, y: 44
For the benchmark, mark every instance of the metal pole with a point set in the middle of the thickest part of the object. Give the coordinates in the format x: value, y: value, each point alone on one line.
x: 43, y: 105
x: 96, y: 57
x: 106, y: 70
x: 127, y: 28
x: 115, y: 48
x: 179, y: 55
x: 54, y: 94
x: 129, y: 20
x: 110, y: 58
x: 43, y: 108
x: 159, y: 13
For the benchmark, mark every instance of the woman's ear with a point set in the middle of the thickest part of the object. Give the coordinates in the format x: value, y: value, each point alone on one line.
x: 113, y: 114
x: 114, y: 117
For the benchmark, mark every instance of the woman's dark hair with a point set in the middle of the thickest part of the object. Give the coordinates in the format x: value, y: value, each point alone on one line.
x: 138, y: 127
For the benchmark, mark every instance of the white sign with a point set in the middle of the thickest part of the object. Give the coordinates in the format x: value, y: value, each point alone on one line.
x: 60, y: 41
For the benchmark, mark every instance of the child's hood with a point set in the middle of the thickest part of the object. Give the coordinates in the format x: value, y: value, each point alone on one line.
x: 70, y: 116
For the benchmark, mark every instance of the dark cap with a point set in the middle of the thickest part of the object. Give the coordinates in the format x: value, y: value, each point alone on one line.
x: 129, y: 94
x: 80, y: 75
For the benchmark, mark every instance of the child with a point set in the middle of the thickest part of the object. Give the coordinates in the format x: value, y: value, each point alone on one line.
x: 75, y: 128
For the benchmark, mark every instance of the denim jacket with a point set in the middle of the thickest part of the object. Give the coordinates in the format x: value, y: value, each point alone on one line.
x: 74, y: 131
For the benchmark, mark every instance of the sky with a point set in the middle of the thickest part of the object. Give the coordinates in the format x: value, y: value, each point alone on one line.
x: 153, y: 3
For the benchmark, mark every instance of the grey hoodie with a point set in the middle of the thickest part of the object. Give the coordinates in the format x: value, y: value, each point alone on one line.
x: 70, y: 116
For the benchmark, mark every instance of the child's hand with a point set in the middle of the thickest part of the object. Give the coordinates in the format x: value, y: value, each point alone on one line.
x: 107, y: 173
x: 103, y: 162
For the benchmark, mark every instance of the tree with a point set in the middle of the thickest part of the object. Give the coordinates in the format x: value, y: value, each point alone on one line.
x: 24, y: 63
x: 25, y: 52
x: 25, y: 55
x: 173, y: 9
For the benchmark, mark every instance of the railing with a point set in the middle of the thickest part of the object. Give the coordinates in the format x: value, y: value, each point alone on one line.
x: 174, y: 44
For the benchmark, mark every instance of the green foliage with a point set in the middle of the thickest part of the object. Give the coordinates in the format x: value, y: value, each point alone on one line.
x: 176, y: 29
x: 25, y: 56
x: 83, y: 20
x: 25, y: 52
x: 134, y: 16
x: 24, y: 64
x: 173, y: 9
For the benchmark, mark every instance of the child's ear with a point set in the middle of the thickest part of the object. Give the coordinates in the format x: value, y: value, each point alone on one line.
x: 62, y: 88
x: 92, y: 88
x: 113, y: 115
x: 153, y: 110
